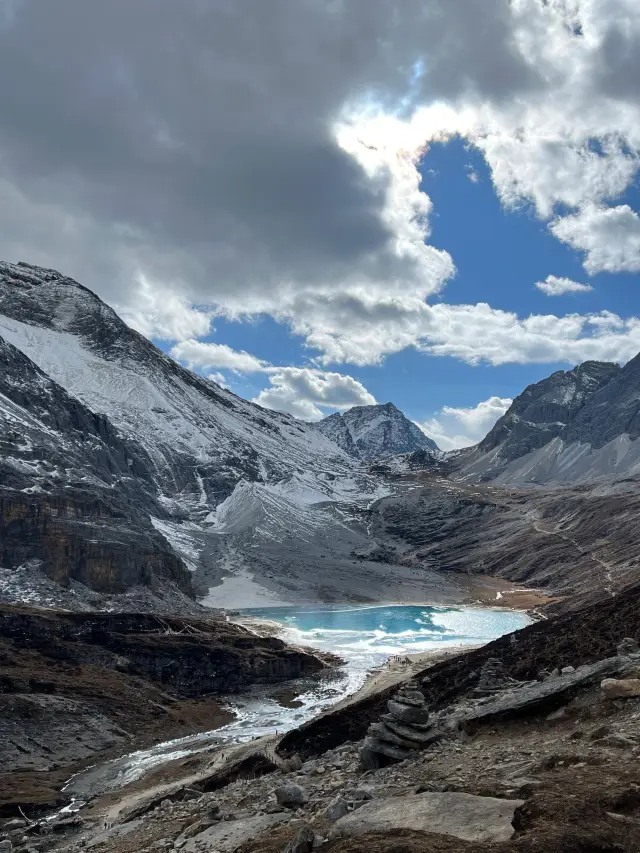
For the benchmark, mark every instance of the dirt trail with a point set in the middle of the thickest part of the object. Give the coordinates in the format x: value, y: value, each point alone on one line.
x: 546, y: 528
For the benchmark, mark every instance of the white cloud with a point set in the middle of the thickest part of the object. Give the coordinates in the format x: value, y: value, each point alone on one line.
x: 610, y: 237
x: 162, y: 314
x: 317, y: 216
x: 304, y: 392
x: 219, y: 379
x: 480, y: 333
x: 453, y: 428
x: 555, y: 285
x: 211, y: 355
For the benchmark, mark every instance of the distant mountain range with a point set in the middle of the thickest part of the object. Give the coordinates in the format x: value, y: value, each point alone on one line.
x: 374, y: 432
x: 124, y: 474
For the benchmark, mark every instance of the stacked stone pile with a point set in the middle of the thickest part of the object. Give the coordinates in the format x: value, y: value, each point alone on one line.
x: 404, y: 729
x: 493, y: 679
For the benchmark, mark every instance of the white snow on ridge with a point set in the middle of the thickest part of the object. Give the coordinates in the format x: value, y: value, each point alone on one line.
x: 194, y: 434
x: 161, y: 410
x: 559, y: 463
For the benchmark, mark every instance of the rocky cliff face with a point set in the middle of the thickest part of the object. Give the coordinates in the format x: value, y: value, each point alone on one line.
x: 75, y: 496
x: 575, y: 426
x: 545, y: 410
x: 374, y: 432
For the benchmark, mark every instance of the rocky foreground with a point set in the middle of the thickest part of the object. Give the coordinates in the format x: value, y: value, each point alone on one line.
x: 535, y: 748
x: 78, y: 687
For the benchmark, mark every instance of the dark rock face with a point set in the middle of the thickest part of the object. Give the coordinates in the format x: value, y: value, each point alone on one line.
x: 86, y: 539
x: 75, y: 494
x: 373, y: 432
x: 548, y: 409
x: 189, y: 658
x: 612, y: 410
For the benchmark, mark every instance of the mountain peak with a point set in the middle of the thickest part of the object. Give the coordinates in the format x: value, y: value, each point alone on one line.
x: 373, y: 432
x: 544, y: 409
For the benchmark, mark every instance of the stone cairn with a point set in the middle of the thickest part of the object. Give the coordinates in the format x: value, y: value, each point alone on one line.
x: 493, y: 678
x: 399, y: 733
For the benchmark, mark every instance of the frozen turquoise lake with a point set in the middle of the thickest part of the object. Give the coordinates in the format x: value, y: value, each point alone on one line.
x: 367, y: 636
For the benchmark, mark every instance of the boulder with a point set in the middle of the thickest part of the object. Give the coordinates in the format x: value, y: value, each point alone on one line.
x: 291, y: 795
x: 5, y: 846
x: 336, y: 809
x: 227, y: 836
x: 464, y: 816
x: 621, y: 688
x: 408, y: 713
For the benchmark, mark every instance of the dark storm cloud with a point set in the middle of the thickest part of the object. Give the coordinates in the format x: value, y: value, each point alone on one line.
x: 202, y: 128
x: 618, y: 74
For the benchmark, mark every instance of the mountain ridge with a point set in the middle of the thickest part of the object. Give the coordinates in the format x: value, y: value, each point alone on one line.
x: 373, y: 432
x: 574, y: 426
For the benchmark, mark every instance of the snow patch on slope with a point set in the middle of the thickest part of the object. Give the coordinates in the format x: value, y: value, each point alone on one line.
x: 559, y: 463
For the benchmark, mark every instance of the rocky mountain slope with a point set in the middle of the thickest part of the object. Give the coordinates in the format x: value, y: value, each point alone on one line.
x: 133, y: 454
x: 131, y: 483
x: 575, y: 426
x: 75, y: 496
x: 375, y: 432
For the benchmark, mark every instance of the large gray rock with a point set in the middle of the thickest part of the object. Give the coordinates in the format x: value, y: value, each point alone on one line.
x: 227, y: 836
x: 336, y: 809
x: 534, y: 696
x: 464, y: 816
x: 291, y: 795
x: 408, y: 713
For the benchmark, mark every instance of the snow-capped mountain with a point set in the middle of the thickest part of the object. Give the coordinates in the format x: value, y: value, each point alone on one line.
x: 96, y: 408
x: 374, y: 432
x: 575, y: 426
x: 201, y: 438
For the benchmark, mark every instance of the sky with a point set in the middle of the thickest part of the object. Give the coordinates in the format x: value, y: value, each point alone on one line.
x: 328, y: 203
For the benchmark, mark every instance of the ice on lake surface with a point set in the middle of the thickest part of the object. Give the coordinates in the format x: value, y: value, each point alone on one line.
x: 365, y: 636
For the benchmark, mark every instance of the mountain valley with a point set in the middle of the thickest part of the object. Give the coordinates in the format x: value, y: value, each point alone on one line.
x: 142, y: 504
x: 129, y: 480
